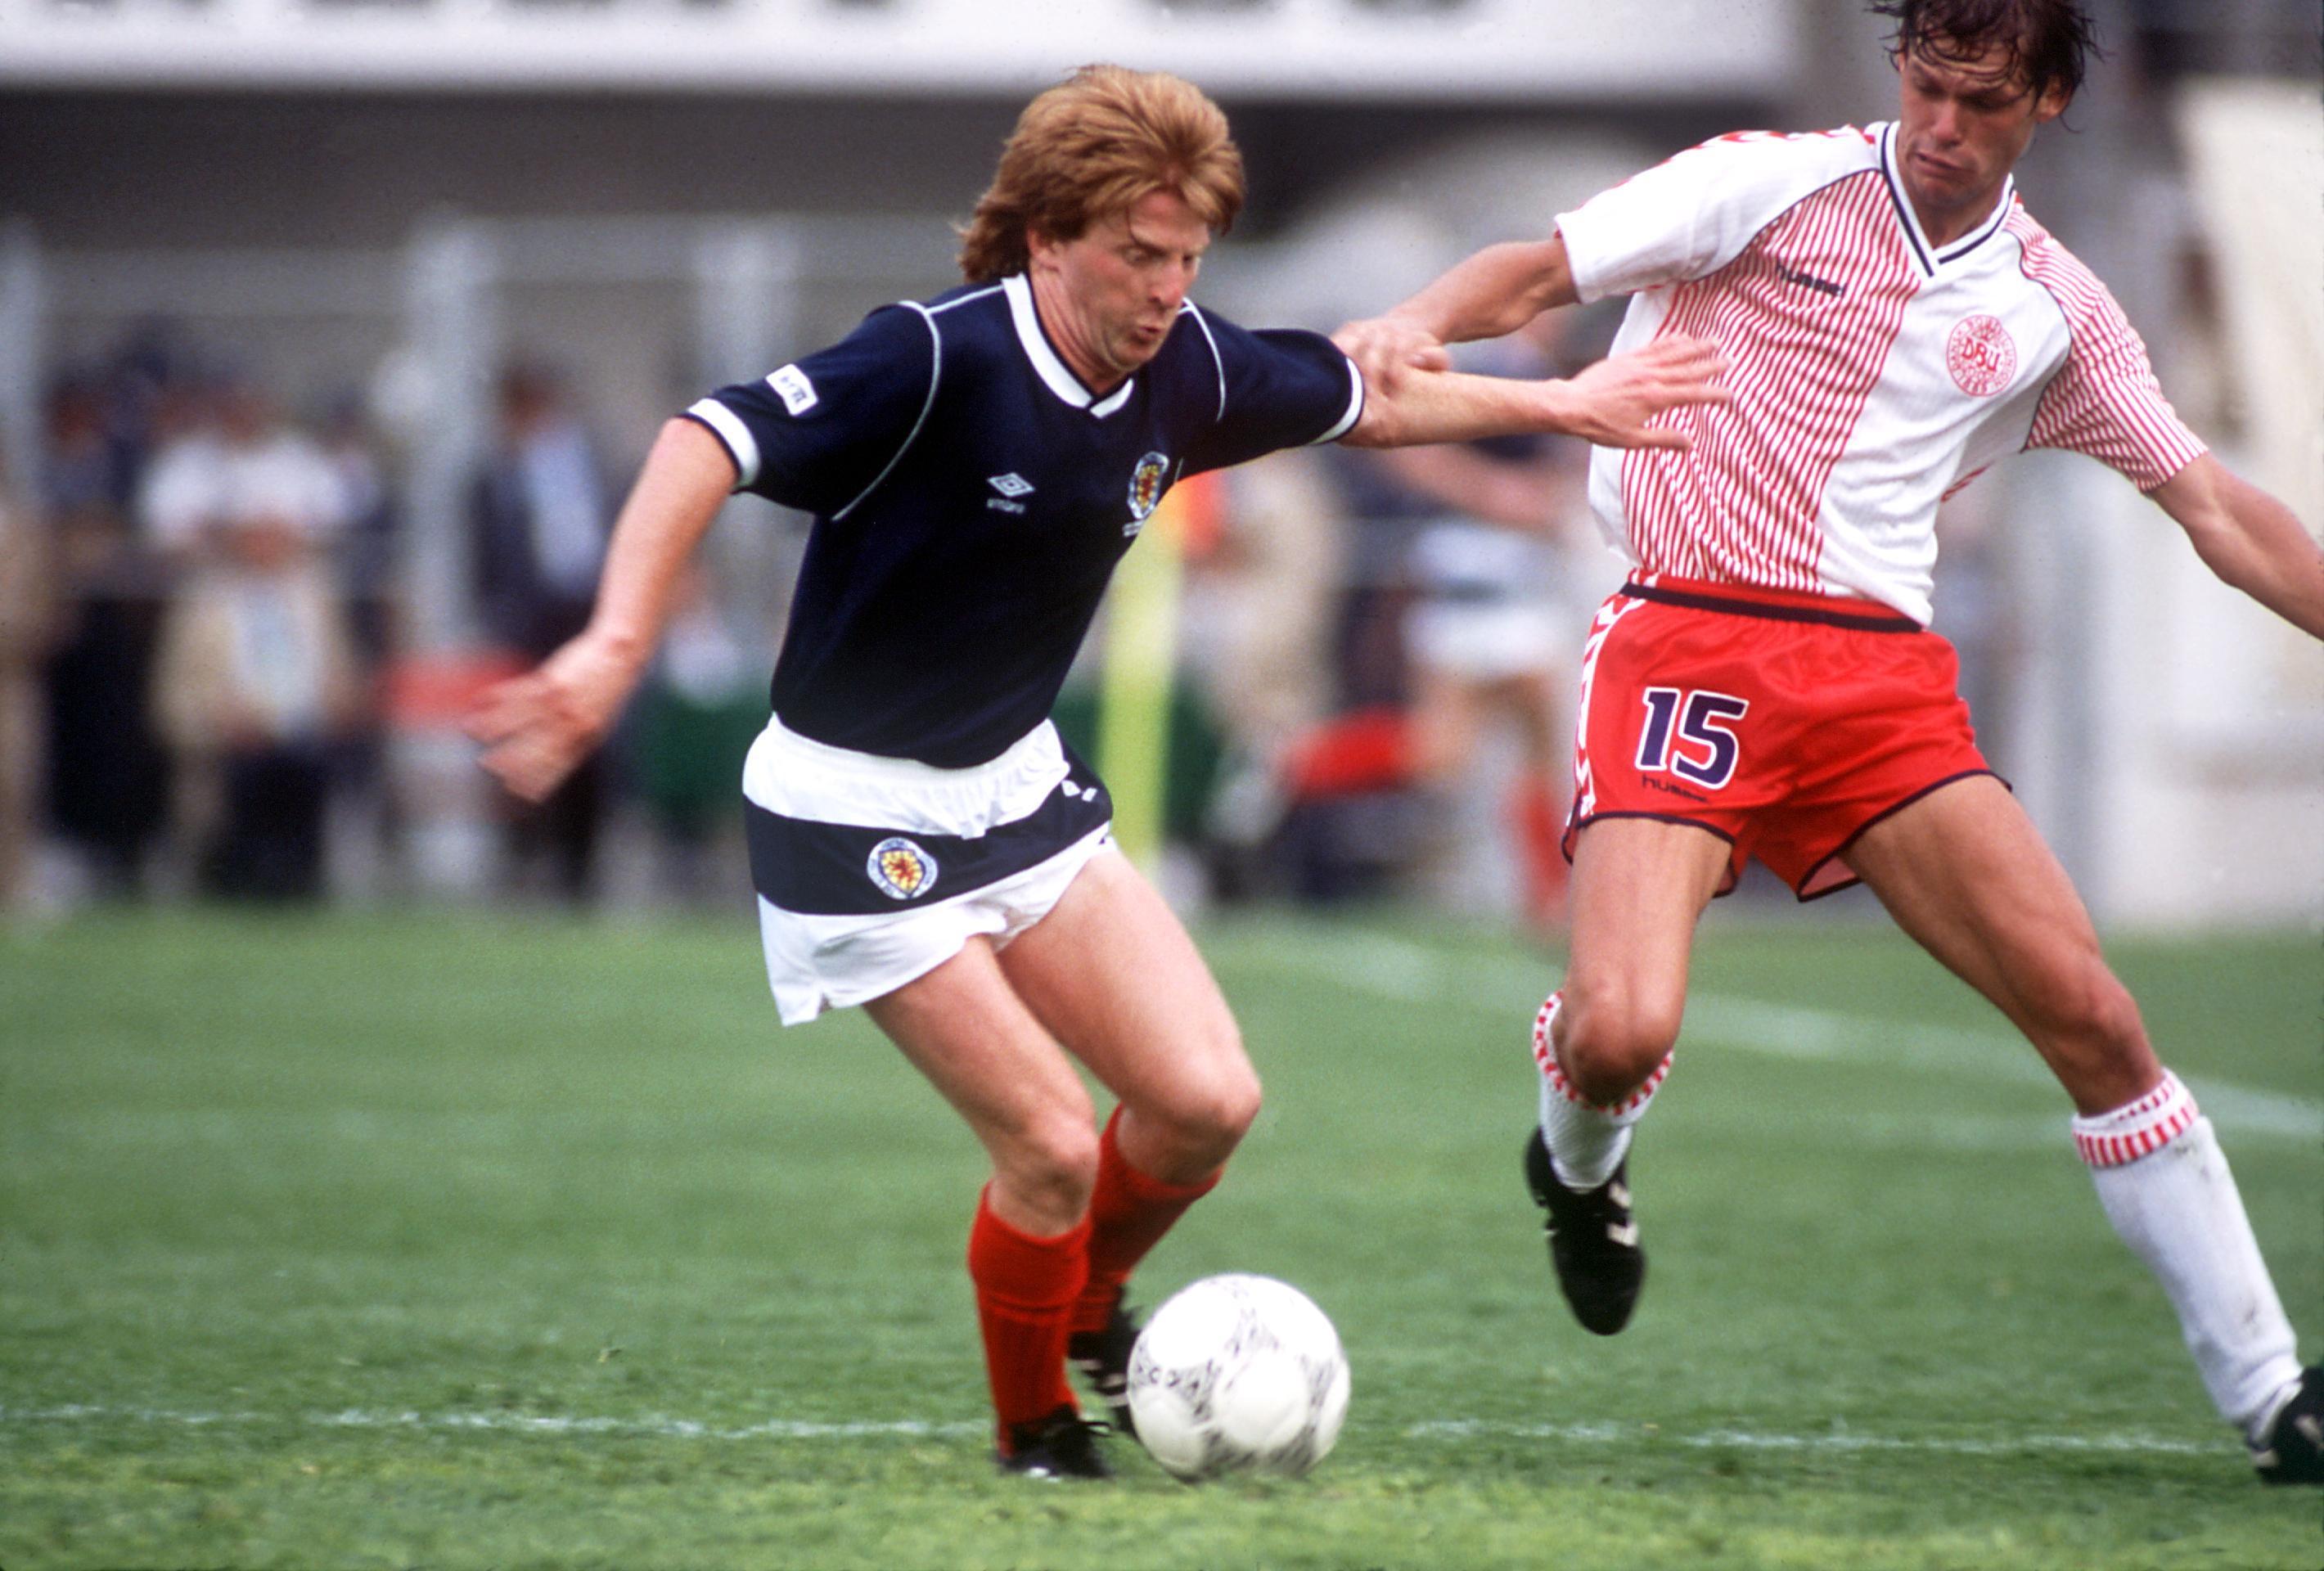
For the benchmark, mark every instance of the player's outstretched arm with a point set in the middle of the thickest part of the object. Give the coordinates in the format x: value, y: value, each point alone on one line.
x: 1496, y: 291
x: 537, y: 727
x: 2250, y: 539
x: 1609, y: 403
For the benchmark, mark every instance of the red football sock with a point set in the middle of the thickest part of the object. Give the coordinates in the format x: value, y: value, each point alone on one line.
x: 1025, y: 1290
x: 1129, y: 1213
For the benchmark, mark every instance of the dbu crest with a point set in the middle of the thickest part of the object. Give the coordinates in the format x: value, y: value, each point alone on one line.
x: 900, y: 869
x: 1145, y: 490
x: 1980, y: 355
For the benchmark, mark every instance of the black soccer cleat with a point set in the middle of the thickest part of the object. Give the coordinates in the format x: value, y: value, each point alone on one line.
x: 2292, y: 1449
x: 1593, y: 1243
x: 1061, y: 1445
x: 1103, y: 1357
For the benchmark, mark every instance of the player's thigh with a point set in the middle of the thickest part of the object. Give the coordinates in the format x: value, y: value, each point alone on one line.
x: 1639, y: 887
x: 1967, y: 875
x: 1964, y: 871
x: 1113, y: 976
x: 963, y: 1026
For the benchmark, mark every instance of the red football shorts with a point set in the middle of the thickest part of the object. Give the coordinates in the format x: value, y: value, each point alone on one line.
x: 1786, y: 724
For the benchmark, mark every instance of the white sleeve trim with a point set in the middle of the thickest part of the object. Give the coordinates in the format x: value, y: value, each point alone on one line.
x: 740, y: 446
x: 1355, y: 410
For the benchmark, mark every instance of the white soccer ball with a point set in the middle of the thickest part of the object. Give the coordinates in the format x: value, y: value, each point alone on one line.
x: 1238, y: 1374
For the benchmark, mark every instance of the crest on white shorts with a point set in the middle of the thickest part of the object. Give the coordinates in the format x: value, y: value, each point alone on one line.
x: 901, y: 870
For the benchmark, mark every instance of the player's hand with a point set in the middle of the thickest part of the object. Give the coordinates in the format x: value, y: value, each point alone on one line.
x: 537, y: 727
x: 1614, y: 400
x: 1385, y: 348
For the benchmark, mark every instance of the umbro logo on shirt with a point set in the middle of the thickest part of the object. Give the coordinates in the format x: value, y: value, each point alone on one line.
x: 1011, y: 486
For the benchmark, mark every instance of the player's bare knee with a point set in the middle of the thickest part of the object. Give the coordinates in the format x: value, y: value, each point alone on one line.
x: 1223, y: 1098
x: 2089, y: 1031
x: 2084, y: 1011
x: 1232, y: 1106
x: 1203, y: 1121
x: 1610, y: 1041
x: 1052, y: 1167
x: 2115, y: 1021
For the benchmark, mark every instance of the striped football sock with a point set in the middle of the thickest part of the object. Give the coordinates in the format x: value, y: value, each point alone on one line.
x: 1025, y: 1290
x: 2166, y: 1188
x: 1586, y: 1142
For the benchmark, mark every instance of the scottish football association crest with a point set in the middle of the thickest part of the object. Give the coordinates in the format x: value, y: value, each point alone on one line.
x: 900, y: 869
x: 1145, y: 490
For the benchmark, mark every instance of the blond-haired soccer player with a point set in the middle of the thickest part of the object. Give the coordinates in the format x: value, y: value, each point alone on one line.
x: 922, y: 843
x: 1765, y: 684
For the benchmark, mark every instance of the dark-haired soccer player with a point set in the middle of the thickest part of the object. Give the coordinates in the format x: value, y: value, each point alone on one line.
x: 922, y: 841
x: 1765, y: 685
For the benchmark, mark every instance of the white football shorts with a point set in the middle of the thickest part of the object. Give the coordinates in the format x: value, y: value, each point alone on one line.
x: 873, y: 871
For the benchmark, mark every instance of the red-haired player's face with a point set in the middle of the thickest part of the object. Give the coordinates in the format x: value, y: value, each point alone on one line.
x: 1964, y: 122
x: 1108, y: 298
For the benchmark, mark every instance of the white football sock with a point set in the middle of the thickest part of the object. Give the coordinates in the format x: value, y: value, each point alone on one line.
x: 2166, y: 1188
x: 1586, y: 1142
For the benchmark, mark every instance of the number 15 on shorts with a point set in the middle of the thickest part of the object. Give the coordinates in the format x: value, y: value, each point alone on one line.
x: 1687, y: 734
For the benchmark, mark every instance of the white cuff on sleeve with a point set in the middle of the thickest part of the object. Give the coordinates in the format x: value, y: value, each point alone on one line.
x: 739, y: 443
x: 1355, y: 410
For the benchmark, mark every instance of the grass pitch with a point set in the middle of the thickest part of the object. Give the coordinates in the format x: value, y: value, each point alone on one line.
x: 410, y: 1239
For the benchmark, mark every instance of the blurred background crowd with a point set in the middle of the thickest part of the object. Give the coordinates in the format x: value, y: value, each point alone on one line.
x: 318, y: 392
x: 209, y: 655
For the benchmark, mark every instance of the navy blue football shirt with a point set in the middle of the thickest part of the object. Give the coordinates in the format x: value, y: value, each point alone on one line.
x: 970, y: 498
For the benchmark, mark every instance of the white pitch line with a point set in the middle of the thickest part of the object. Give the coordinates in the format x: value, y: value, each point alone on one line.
x: 651, y: 1427
x: 1406, y: 973
x: 1440, y: 1429
x: 1840, y: 1440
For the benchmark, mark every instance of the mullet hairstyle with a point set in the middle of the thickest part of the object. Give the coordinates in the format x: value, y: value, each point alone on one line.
x: 2048, y: 40
x: 1091, y: 147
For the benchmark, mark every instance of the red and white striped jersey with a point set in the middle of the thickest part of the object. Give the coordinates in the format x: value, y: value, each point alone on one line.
x: 1873, y: 374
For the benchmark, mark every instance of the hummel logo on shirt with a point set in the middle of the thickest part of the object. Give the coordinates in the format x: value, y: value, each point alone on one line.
x: 1791, y: 275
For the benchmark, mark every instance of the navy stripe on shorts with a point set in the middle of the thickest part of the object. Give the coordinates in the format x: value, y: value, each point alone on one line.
x: 815, y: 869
